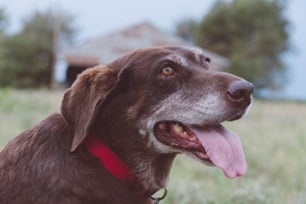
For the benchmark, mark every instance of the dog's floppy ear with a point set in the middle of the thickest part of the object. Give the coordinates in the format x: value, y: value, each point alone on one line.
x: 81, y: 101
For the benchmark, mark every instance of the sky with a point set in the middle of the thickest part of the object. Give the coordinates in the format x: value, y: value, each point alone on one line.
x: 98, y: 17
x: 296, y: 59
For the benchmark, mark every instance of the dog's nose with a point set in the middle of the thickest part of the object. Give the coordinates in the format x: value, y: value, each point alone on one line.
x: 239, y: 90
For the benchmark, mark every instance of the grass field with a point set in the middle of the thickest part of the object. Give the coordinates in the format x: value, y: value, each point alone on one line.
x: 273, y: 135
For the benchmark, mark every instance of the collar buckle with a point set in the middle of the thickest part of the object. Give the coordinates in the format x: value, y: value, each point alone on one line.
x: 156, y: 198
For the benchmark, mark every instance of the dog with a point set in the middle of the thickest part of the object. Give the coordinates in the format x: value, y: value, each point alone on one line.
x: 120, y: 128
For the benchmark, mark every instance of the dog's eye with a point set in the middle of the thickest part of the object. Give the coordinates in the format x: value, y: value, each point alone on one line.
x: 167, y: 71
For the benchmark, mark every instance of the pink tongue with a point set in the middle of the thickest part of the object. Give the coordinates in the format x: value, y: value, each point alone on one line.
x: 224, y: 149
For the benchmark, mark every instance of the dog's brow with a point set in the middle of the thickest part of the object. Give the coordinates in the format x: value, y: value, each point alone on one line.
x: 197, y: 53
x: 199, y: 57
x: 178, y: 60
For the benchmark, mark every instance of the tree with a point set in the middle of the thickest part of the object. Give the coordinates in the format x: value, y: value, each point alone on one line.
x: 3, y: 23
x: 28, y: 55
x: 186, y: 28
x: 252, y: 34
x: 3, y: 20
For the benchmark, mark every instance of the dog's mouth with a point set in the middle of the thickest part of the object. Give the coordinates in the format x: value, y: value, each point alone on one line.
x: 212, y: 144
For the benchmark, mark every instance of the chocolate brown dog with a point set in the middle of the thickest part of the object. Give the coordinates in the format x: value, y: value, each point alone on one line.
x: 121, y: 126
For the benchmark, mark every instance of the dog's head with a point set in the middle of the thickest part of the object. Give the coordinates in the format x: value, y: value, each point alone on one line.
x: 170, y: 97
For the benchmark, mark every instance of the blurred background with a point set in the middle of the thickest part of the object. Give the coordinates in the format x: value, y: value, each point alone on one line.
x: 45, y: 44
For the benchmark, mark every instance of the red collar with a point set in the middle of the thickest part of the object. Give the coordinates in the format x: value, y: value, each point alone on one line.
x: 109, y: 159
x: 114, y: 165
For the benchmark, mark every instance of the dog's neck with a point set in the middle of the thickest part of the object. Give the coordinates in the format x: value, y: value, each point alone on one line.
x: 152, y: 170
x: 109, y: 159
x: 144, y: 168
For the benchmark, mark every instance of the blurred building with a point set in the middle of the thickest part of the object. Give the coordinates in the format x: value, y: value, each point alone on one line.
x: 104, y: 49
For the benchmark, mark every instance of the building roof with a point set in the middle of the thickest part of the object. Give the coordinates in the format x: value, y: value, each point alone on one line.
x: 109, y: 47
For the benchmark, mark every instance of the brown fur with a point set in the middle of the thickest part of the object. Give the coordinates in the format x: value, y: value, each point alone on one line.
x: 48, y: 163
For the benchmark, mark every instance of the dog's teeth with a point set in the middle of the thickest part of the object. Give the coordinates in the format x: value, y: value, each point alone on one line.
x: 193, y: 138
x: 185, y: 135
x: 177, y: 127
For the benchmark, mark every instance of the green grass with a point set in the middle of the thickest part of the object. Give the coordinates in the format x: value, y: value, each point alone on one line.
x: 20, y: 110
x: 273, y: 136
